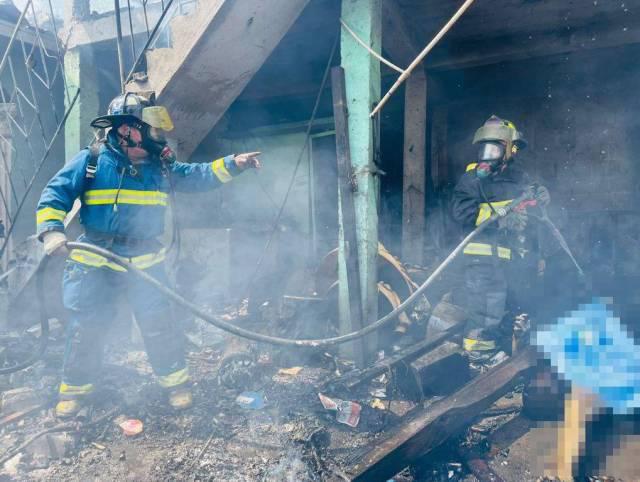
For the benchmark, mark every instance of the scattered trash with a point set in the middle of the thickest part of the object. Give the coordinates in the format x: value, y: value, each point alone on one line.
x: 98, y: 446
x: 347, y: 412
x: 379, y: 386
x: 292, y: 372
x: 251, y: 400
x: 130, y: 426
x: 238, y: 371
x: 53, y: 446
x: 379, y: 404
x: 19, y: 398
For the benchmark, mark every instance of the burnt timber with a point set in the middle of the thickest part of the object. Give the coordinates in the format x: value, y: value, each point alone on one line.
x: 429, y: 428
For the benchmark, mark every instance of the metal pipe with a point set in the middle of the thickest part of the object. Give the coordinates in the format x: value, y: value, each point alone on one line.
x: 38, y: 169
x: 421, y: 56
x: 149, y: 40
x: 369, y: 49
x: 133, y: 42
x: 116, y: 6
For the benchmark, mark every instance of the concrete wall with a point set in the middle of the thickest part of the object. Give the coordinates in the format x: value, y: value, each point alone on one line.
x: 250, y: 203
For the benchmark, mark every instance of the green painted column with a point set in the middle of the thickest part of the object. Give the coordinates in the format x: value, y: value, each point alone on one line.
x: 80, y: 71
x: 362, y: 75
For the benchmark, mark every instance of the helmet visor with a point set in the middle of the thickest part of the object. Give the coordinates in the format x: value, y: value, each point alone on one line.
x: 157, y: 116
x: 491, y: 151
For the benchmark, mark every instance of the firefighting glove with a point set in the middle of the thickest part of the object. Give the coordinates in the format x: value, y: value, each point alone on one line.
x: 55, y: 243
x: 542, y: 195
x: 514, y: 221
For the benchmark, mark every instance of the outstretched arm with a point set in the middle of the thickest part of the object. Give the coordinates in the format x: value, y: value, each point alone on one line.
x: 204, y: 176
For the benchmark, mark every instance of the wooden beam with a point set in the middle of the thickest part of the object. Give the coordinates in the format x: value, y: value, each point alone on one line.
x: 414, y: 169
x: 346, y: 190
x: 429, y: 428
x: 401, y: 46
x: 439, y: 157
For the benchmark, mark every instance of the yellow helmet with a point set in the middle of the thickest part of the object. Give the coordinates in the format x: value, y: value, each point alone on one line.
x: 501, y: 130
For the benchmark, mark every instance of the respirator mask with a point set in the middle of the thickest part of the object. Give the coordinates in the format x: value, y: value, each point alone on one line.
x: 491, y: 158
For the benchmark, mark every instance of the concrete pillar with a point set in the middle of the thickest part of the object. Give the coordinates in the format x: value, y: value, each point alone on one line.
x: 362, y: 75
x: 77, y: 9
x: 80, y: 70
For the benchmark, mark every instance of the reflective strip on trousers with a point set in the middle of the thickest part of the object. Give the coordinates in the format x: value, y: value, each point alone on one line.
x: 75, y: 390
x: 482, y: 249
x: 141, y: 262
x: 470, y: 344
x: 485, y: 211
x: 95, y: 197
x: 50, y: 214
x: 174, y: 379
x: 220, y: 170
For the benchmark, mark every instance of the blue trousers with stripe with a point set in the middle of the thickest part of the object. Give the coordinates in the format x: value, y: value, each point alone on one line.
x: 90, y: 295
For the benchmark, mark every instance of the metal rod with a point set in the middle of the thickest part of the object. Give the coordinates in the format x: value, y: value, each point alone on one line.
x: 149, y: 40
x: 133, y: 42
x: 38, y: 169
x: 14, y: 34
x: 369, y: 49
x: 421, y: 56
x: 146, y: 20
x: 116, y: 6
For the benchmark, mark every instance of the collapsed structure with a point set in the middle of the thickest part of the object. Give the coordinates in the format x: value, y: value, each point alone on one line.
x: 348, y: 219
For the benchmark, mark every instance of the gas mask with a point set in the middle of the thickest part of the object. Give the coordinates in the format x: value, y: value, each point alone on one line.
x: 491, y: 156
x: 153, y: 139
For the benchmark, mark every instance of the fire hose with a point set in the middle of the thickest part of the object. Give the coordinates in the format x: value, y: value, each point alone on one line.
x: 260, y: 337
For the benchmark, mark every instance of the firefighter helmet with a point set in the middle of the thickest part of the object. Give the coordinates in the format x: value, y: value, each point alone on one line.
x: 500, y: 130
x: 131, y: 107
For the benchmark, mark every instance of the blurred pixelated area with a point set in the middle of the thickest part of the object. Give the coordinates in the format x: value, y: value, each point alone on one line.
x: 594, y: 355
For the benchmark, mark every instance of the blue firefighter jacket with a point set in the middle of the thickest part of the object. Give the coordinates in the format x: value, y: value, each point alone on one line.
x: 123, y: 206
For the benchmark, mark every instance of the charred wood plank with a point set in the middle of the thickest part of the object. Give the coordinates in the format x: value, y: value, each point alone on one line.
x: 430, y: 427
x: 354, y: 378
x: 439, y: 371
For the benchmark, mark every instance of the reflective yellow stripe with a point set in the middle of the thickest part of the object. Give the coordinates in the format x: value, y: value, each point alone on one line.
x: 470, y: 344
x: 125, y: 196
x: 141, y: 262
x: 174, y: 379
x: 482, y: 249
x: 485, y: 211
x: 74, y: 390
x: 50, y: 214
x: 471, y: 166
x: 220, y: 170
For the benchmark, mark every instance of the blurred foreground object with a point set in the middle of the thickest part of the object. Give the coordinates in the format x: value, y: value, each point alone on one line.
x: 591, y: 349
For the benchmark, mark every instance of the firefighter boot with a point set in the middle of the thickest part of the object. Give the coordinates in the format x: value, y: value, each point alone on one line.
x: 72, y: 399
x: 69, y: 408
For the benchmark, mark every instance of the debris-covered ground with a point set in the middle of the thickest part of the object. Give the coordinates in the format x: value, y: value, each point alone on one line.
x: 274, y: 429
x: 255, y: 417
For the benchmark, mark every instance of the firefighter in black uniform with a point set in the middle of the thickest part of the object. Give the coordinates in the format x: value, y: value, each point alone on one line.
x: 492, y: 182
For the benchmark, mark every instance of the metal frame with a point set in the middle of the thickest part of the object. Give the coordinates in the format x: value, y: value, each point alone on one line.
x: 30, y: 70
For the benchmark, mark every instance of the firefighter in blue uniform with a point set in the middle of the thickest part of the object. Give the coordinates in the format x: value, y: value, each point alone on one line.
x: 488, y: 184
x: 123, y: 184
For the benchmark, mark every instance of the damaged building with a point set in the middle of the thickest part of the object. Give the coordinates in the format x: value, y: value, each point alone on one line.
x: 325, y: 297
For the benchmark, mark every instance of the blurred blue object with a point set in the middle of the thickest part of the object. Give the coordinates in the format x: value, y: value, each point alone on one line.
x: 591, y: 348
